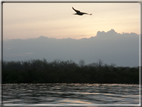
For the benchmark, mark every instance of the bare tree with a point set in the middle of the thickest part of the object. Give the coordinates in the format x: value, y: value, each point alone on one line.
x: 81, y: 63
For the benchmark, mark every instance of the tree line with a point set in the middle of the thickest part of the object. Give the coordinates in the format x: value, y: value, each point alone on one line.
x: 41, y: 71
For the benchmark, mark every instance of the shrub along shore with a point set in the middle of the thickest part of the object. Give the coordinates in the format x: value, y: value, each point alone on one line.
x: 41, y: 71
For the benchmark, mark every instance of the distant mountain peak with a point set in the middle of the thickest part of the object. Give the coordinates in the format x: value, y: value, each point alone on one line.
x: 110, y: 32
x: 42, y: 37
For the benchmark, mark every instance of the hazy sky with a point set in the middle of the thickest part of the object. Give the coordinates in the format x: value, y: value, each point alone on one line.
x: 56, y: 20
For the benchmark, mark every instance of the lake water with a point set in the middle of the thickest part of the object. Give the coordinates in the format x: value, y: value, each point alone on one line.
x: 70, y: 94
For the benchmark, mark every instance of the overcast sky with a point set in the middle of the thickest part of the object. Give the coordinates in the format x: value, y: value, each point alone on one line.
x: 56, y: 20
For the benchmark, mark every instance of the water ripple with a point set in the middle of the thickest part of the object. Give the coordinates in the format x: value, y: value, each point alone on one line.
x: 70, y: 94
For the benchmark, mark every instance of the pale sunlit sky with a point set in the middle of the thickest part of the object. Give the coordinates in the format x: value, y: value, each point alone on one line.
x: 57, y: 20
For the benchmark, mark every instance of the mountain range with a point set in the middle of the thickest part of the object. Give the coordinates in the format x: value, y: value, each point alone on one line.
x: 110, y: 47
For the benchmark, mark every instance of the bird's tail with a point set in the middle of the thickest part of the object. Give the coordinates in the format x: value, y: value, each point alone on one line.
x: 89, y: 14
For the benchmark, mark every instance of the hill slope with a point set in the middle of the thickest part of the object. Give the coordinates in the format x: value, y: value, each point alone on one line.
x: 110, y: 47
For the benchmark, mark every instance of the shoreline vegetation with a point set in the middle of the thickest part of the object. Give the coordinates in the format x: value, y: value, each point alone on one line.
x: 41, y: 71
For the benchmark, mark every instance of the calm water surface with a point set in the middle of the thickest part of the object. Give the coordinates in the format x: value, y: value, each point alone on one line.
x: 42, y: 94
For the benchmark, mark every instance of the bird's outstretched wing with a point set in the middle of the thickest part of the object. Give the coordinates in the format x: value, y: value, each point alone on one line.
x: 80, y: 13
x: 76, y: 10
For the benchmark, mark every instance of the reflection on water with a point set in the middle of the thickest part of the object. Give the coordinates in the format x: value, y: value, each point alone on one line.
x: 42, y: 94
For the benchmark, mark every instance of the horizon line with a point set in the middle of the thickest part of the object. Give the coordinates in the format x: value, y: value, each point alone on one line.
x: 6, y: 39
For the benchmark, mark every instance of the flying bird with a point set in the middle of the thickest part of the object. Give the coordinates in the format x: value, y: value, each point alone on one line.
x: 79, y: 13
